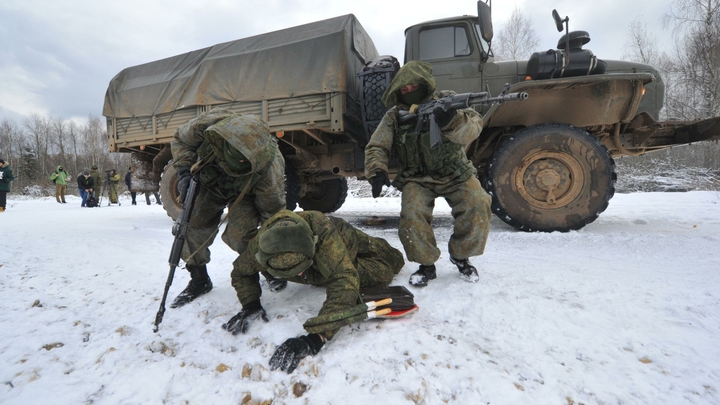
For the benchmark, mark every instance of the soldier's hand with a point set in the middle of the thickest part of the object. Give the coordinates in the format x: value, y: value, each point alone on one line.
x: 378, y: 181
x: 289, y: 354
x: 240, y: 322
x: 184, y: 177
x: 443, y: 117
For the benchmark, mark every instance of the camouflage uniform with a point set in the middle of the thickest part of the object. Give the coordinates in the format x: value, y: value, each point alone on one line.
x: 112, y: 186
x: 213, y: 138
x: 97, y: 177
x: 345, y: 260
x: 427, y: 174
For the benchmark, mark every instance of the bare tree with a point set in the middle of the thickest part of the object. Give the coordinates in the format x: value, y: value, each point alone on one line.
x: 59, y: 140
x: 695, y: 65
x: 11, y: 139
x: 38, y: 127
x: 95, y: 141
x: 517, y: 39
x: 641, y: 47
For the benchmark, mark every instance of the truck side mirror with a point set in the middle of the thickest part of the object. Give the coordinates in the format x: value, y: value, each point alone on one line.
x: 485, y: 21
x: 558, y: 21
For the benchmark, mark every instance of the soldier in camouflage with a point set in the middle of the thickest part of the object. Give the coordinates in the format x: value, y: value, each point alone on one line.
x: 228, y: 154
x: 310, y: 248
x: 426, y: 174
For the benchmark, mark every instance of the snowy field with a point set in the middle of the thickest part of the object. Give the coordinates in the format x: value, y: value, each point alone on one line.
x: 624, y: 311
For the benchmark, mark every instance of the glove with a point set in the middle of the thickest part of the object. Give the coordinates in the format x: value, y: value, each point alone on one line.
x: 442, y: 117
x: 275, y: 284
x: 379, y: 180
x: 289, y: 354
x: 184, y: 177
x: 240, y: 322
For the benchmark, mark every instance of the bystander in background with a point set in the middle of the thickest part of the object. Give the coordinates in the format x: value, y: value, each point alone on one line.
x: 97, y: 179
x: 86, y: 184
x: 6, y: 176
x: 60, y: 178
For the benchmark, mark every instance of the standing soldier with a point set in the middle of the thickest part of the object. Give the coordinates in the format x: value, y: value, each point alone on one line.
x: 128, y: 183
x: 6, y: 176
x: 97, y: 179
x: 309, y: 248
x: 237, y: 164
x: 112, y: 182
x: 60, y: 178
x: 428, y: 173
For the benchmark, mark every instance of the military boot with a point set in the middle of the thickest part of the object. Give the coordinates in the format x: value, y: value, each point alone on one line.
x: 468, y: 271
x: 275, y: 283
x: 421, y: 277
x: 199, y: 284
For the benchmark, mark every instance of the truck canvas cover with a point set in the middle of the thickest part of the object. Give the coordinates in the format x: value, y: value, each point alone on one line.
x: 320, y: 57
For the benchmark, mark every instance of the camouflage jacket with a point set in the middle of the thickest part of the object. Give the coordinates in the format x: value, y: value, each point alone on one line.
x: 245, y: 134
x: 334, y: 265
x: 97, y: 177
x: 447, y: 163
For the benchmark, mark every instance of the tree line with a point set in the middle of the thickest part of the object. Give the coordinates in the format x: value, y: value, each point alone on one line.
x: 36, y: 146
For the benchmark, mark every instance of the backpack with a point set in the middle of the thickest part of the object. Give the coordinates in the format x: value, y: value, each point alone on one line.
x: 53, y: 180
x: 91, y: 201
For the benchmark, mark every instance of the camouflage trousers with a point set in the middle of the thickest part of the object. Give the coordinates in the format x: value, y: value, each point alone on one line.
x: 242, y: 223
x: 470, y: 206
x: 377, y: 262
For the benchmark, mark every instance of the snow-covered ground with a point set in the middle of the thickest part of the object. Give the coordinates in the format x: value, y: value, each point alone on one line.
x: 624, y: 311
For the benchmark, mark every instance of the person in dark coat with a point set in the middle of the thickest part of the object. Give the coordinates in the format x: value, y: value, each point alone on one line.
x: 6, y: 176
x: 86, y: 184
x: 128, y: 183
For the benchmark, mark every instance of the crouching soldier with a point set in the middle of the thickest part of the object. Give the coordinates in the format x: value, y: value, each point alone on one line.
x: 238, y: 165
x: 309, y: 248
x: 427, y: 173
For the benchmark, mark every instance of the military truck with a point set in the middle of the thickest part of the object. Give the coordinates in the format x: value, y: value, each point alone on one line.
x: 547, y: 161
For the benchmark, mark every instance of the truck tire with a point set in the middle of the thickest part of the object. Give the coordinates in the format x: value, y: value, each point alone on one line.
x: 292, y: 188
x: 168, y: 191
x: 327, y: 196
x: 550, y: 177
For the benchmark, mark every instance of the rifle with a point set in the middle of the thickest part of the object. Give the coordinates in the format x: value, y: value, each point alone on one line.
x: 179, y: 230
x: 424, y: 112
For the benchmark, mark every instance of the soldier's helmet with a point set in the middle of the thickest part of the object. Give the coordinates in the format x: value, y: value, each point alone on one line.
x: 286, y: 246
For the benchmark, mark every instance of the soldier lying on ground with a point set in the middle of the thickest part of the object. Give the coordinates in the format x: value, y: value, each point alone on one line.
x: 309, y: 248
x: 232, y: 156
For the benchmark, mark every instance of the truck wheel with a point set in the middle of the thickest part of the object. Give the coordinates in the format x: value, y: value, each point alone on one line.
x: 168, y: 191
x: 550, y: 177
x: 327, y: 196
x: 292, y: 188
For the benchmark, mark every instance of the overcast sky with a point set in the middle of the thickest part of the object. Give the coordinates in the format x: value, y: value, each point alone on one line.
x: 57, y: 57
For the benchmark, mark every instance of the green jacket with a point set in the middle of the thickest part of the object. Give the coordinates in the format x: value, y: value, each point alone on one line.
x: 233, y: 149
x: 60, y: 176
x: 6, y: 176
x: 334, y: 264
x: 447, y: 163
x: 114, y: 179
